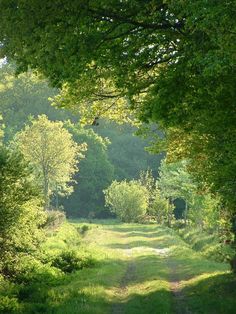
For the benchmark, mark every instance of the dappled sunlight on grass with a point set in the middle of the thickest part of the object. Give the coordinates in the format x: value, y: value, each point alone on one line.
x: 135, y: 268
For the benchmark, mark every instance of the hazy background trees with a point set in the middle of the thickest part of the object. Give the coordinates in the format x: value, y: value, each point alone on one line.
x: 122, y: 155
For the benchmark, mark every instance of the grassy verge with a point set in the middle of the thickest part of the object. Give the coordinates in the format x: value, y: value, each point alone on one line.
x: 206, y: 244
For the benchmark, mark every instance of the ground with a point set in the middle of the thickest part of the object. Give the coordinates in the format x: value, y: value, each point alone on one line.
x: 142, y: 269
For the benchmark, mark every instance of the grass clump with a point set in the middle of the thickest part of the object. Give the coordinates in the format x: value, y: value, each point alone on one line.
x: 70, y: 261
x: 83, y: 229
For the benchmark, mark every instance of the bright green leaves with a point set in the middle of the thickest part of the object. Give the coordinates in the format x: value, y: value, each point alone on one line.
x: 50, y: 149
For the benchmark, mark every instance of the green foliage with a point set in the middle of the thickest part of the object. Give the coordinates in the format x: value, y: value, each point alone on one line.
x: 21, y: 215
x: 70, y: 261
x: 54, y: 219
x: 9, y: 305
x: 96, y: 173
x: 1, y: 130
x: 127, y: 152
x: 23, y: 97
x: 50, y: 149
x: 207, y: 244
x: 171, y: 62
x: 201, y: 207
x: 147, y: 180
x: 26, y: 269
x: 175, y: 181
x: 161, y: 209
x: 128, y: 200
x: 83, y: 229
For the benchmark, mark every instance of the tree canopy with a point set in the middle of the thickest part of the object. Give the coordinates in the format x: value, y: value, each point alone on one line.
x: 52, y: 152
x: 171, y: 62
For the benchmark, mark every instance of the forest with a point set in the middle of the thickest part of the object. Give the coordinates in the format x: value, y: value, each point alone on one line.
x: 117, y: 157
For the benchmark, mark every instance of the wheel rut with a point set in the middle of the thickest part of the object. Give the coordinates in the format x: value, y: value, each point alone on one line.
x: 179, y: 303
x: 129, y: 276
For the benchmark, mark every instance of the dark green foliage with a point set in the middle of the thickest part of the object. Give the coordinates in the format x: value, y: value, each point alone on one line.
x: 127, y: 151
x: 70, y: 261
x: 83, y: 229
x: 26, y: 269
x: 95, y: 174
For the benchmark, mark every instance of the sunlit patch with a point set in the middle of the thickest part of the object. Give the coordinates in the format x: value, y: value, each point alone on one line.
x: 162, y: 252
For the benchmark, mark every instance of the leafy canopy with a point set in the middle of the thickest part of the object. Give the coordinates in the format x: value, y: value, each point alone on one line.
x: 171, y: 62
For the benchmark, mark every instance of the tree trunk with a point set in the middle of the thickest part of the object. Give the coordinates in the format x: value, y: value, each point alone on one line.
x: 57, y: 202
x: 46, y: 191
x: 185, y: 213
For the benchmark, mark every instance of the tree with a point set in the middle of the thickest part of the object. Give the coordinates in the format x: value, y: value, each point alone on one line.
x: 173, y: 61
x: 21, y: 213
x: 1, y: 130
x: 127, y: 152
x: 50, y: 149
x: 96, y: 174
x: 128, y: 200
x: 24, y: 97
x: 201, y: 207
x: 161, y: 208
x: 175, y: 182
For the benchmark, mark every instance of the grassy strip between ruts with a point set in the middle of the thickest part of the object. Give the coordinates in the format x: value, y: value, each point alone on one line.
x: 135, y: 266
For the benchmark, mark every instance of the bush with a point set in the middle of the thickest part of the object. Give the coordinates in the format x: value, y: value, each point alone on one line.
x: 27, y: 269
x: 83, y: 229
x: 21, y: 216
x: 71, y: 260
x: 207, y: 244
x: 161, y: 209
x: 9, y: 305
x: 54, y: 219
x: 128, y: 200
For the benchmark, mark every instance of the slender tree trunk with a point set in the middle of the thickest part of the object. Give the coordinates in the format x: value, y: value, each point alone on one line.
x: 57, y: 203
x: 46, y: 190
x: 169, y: 212
x: 185, y: 213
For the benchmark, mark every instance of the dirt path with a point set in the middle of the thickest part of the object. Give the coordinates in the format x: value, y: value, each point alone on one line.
x: 150, y: 270
x: 129, y: 276
x: 179, y: 299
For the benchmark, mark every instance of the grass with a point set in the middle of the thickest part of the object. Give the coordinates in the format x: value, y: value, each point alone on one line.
x: 139, y: 269
x: 207, y: 244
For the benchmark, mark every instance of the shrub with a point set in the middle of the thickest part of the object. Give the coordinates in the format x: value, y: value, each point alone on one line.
x: 128, y: 200
x: 27, y: 269
x: 9, y: 305
x: 71, y: 260
x: 21, y: 215
x: 54, y: 219
x: 83, y: 229
x: 161, y: 209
